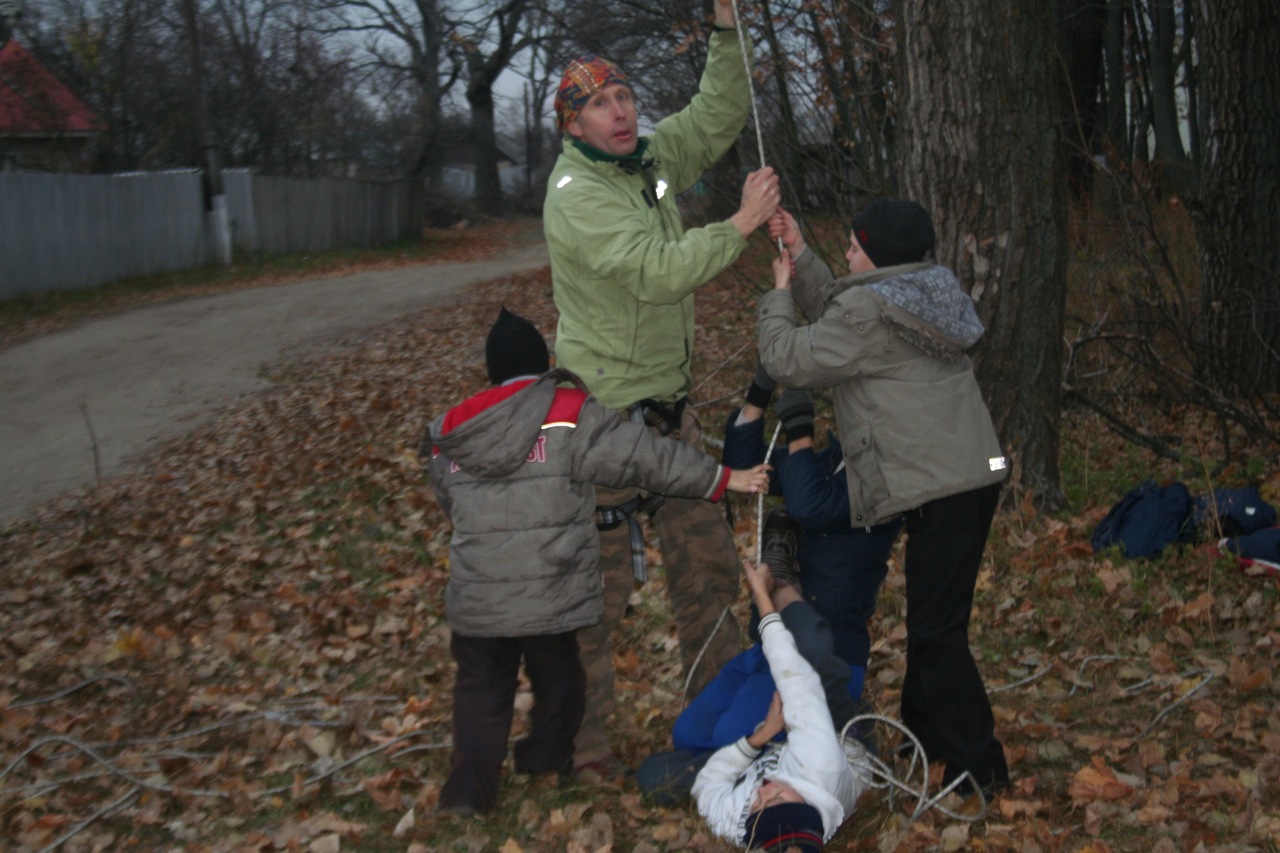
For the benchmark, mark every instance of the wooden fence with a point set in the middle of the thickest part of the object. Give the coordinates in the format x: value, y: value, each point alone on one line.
x: 66, y: 232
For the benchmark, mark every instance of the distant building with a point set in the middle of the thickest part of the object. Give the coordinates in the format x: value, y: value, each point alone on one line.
x: 460, y: 169
x: 44, y: 127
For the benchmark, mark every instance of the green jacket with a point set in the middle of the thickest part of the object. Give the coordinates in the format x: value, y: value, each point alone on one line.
x: 623, y: 268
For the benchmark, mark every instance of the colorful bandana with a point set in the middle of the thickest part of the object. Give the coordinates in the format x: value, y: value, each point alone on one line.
x: 582, y: 79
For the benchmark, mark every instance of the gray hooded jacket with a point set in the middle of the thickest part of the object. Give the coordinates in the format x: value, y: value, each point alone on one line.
x: 513, y: 467
x: 890, y: 344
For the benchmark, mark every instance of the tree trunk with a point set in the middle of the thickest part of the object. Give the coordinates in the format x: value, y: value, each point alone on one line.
x: 1139, y: 86
x: 790, y: 154
x: 1238, y: 215
x: 1116, y: 99
x: 1164, y: 102
x: 482, y: 72
x: 1192, y: 76
x: 873, y: 143
x: 426, y: 70
x: 1083, y: 25
x: 484, y: 141
x: 979, y: 146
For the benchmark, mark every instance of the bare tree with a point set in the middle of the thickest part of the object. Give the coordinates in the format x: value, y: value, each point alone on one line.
x: 978, y: 145
x: 10, y: 10
x: 1113, y: 47
x: 1238, y: 212
x: 490, y: 42
x: 1164, y: 66
x: 408, y: 41
x: 1081, y: 37
x: 826, y: 71
x: 128, y: 61
x: 1184, y: 322
x: 279, y: 99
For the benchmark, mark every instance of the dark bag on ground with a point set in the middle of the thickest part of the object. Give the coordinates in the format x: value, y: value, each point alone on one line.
x: 1259, y: 549
x: 1239, y: 512
x: 1148, y: 519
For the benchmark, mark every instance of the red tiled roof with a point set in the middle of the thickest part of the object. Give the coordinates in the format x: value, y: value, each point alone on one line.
x: 34, y: 101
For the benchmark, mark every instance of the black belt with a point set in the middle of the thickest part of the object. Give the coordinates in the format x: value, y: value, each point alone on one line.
x: 609, y: 517
x: 666, y: 419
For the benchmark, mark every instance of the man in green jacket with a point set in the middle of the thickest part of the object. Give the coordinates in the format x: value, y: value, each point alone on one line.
x: 624, y: 272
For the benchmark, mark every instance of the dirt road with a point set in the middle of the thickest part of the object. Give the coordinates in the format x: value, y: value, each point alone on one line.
x: 122, y: 383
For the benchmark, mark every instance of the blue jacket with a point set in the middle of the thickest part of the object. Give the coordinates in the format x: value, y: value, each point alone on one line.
x: 841, y: 566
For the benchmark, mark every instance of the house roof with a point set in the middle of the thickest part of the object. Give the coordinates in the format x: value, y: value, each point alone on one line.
x: 33, y: 102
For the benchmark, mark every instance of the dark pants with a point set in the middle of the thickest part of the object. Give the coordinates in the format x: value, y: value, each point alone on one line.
x: 816, y: 645
x: 483, y: 705
x: 666, y: 778
x: 841, y: 575
x: 944, y: 702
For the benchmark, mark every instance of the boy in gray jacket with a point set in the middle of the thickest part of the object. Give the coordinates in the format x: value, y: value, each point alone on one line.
x: 891, y: 341
x: 514, y: 468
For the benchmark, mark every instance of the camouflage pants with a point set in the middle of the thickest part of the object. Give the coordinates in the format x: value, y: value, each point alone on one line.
x: 702, y: 570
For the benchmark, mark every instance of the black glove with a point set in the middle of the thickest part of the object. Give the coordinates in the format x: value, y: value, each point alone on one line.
x: 761, y: 388
x: 795, y: 410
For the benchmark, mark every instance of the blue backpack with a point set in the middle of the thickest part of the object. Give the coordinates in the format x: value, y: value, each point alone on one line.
x: 1238, y: 511
x: 1149, y: 518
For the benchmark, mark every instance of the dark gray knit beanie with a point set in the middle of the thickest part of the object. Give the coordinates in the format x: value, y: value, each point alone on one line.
x: 894, y: 231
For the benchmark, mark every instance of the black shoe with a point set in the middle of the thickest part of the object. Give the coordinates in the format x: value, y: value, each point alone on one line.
x: 997, y: 783
x: 780, y: 541
x: 461, y: 811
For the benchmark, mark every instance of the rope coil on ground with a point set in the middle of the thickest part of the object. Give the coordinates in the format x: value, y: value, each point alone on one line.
x: 879, y: 775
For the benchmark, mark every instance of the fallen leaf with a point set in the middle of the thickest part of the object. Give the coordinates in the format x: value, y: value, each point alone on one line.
x: 1199, y: 606
x: 955, y: 837
x: 1097, y: 782
x: 404, y: 824
x: 325, y: 844
x: 322, y: 744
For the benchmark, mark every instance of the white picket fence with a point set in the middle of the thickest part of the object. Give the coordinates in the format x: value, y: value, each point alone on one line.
x: 66, y: 232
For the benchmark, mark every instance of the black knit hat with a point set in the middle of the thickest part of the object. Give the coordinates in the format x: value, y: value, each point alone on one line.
x: 894, y: 231
x: 514, y: 348
x: 784, y: 826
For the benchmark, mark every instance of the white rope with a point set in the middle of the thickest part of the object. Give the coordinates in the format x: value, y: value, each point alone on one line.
x: 751, y: 89
x: 1186, y: 697
x: 688, y: 679
x: 879, y: 775
x: 760, y: 499
x: 106, y: 811
x: 1035, y: 676
x: 1092, y: 658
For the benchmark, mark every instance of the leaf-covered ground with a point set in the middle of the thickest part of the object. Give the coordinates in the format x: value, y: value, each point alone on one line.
x: 240, y: 645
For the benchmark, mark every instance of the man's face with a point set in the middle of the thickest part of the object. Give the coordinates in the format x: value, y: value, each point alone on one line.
x: 858, y: 260
x: 607, y: 121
